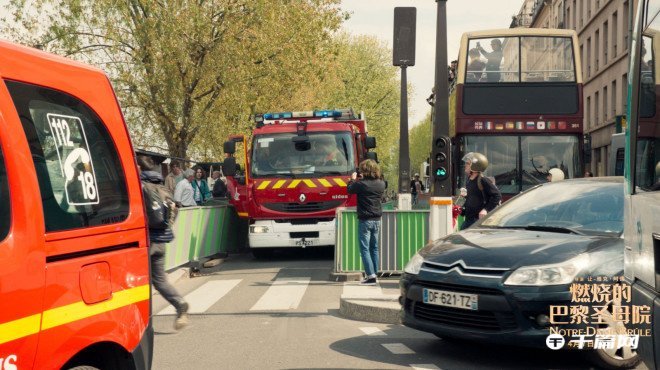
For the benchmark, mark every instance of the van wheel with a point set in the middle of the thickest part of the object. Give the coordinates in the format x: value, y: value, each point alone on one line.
x: 621, y: 358
x: 262, y: 253
x: 84, y: 367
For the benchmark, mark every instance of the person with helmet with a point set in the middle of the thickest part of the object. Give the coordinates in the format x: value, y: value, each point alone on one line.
x: 555, y: 174
x: 416, y: 187
x: 482, y: 195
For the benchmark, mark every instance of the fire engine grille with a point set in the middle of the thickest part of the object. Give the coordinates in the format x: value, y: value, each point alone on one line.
x: 303, y: 207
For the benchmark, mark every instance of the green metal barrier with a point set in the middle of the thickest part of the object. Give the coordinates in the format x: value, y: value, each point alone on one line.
x: 204, y: 231
x: 402, y: 234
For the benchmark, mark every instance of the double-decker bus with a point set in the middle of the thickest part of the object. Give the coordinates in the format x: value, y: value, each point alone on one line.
x: 642, y: 177
x: 518, y: 100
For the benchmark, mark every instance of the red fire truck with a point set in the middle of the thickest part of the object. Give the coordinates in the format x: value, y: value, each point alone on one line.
x: 296, y: 170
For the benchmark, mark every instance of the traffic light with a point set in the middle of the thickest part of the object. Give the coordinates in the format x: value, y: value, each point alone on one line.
x: 441, y: 162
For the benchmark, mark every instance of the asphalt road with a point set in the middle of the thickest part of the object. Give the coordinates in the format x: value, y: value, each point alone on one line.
x: 284, y: 314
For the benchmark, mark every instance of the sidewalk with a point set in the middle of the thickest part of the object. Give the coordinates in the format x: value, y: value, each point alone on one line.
x: 379, y: 303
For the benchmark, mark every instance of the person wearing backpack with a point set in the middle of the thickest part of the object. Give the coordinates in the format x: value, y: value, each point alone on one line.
x: 482, y: 195
x: 161, y: 211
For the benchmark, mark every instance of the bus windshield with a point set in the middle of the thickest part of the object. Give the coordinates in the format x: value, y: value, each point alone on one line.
x: 520, y: 59
x: 537, y: 154
x: 326, y: 153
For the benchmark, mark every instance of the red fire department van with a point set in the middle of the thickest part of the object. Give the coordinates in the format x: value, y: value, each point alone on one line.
x: 74, y: 265
x: 295, y: 176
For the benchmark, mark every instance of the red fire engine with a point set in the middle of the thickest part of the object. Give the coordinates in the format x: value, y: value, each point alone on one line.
x: 296, y: 170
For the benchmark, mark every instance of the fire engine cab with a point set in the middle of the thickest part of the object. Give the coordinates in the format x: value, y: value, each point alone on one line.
x: 296, y: 170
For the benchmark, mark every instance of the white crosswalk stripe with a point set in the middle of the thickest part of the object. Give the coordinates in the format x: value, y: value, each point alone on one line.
x: 398, y: 348
x: 424, y: 367
x: 205, y: 296
x: 372, y: 331
x: 283, y: 294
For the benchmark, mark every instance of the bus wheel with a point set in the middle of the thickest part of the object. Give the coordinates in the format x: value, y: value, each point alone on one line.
x: 262, y: 253
x: 613, y: 358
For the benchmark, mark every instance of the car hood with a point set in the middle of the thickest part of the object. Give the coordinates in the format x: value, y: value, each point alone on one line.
x: 512, y: 248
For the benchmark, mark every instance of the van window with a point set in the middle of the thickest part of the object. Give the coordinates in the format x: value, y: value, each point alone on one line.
x: 5, y: 216
x: 80, y: 176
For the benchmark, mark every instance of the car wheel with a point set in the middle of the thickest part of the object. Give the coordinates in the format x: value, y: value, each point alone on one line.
x: 613, y: 358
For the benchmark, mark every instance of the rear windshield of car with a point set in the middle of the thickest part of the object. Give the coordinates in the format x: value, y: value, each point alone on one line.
x: 589, y: 207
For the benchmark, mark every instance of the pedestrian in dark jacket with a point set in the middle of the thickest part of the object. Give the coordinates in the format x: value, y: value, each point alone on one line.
x: 369, y: 188
x: 482, y: 195
x: 157, y: 239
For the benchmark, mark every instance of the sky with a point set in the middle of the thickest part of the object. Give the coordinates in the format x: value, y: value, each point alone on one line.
x: 376, y: 17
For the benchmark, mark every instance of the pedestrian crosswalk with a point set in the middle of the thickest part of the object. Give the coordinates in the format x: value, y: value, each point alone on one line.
x: 283, y: 294
x: 205, y: 296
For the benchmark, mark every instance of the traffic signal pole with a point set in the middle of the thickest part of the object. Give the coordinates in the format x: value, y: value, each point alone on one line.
x: 403, y: 55
x: 440, y: 219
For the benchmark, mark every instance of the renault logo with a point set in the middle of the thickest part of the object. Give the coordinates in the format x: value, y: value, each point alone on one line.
x: 302, y: 198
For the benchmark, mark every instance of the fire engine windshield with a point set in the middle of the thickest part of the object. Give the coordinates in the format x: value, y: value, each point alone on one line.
x: 326, y: 153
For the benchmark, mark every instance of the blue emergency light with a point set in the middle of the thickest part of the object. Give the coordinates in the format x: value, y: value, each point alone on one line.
x: 280, y: 115
x: 326, y: 113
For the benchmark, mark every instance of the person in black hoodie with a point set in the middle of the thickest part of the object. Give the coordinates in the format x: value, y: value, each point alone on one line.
x: 369, y: 188
x: 482, y: 195
x: 157, y: 240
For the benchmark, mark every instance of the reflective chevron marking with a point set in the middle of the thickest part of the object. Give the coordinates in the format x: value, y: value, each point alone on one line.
x: 263, y: 185
x: 340, y: 182
x: 279, y: 184
x: 309, y: 183
x: 293, y: 184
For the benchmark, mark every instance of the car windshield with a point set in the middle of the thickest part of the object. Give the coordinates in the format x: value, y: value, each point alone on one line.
x: 583, y: 207
x: 325, y: 153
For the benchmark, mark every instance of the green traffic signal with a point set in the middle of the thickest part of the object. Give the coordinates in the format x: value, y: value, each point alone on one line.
x: 441, y: 172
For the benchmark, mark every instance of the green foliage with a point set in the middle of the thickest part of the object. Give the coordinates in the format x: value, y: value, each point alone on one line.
x: 363, y: 78
x: 420, y: 143
x: 188, y: 73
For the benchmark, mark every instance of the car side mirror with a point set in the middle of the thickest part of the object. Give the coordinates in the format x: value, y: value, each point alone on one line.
x: 373, y: 156
x: 370, y: 142
x: 229, y: 147
x: 229, y: 166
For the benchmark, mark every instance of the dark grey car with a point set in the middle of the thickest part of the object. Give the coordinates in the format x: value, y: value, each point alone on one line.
x: 496, y: 280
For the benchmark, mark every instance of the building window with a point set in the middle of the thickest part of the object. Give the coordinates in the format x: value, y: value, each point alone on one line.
x: 624, y: 92
x: 588, y: 9
x: 597, y: 49
x: 574, y: 21
x: 625, y: 25
x: 615, y: 34
x: 613, y: 98
x: 606, y: 111
x: 589, y: 57
x: 568, y: 18
x: 588, y: 117
x: 606, y: 36
x: 596, y: 108
x: 584, y: 75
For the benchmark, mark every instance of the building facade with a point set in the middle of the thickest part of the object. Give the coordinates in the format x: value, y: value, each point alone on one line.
x: 603, y: 32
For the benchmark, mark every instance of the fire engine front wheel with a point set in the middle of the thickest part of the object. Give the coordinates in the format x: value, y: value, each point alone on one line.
x: 262, y: 253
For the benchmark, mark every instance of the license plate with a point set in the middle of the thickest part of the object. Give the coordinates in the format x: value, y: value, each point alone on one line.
x: 304, y: 243
x: 451, y: 299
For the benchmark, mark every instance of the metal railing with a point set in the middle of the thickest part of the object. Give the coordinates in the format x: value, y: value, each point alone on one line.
x: 402, y: 234
x: 205, y: 231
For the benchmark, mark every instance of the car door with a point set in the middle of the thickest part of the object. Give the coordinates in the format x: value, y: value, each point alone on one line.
x: 22, y: 253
